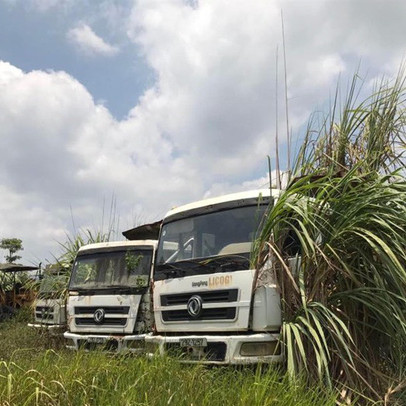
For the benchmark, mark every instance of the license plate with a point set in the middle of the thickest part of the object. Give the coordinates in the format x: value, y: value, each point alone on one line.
x: 193, y: 342
x: 97, y: 340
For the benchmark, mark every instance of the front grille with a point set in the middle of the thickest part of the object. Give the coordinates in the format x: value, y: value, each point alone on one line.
x: 44, y: 313
x: 222, y: 313
x: 109, y: 345
x: 211, y: 296
x: 87, y: 321
x: 215, y: 351
x: 107, y: 309
x: 84, y: 315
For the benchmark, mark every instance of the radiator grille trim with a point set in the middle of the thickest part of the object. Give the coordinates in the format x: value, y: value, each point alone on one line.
x: 207, y: 296
x: 223, y: 313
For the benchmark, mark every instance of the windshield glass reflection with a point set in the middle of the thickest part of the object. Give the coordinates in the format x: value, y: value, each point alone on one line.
x: 222, y: 233
x: 130, y: 268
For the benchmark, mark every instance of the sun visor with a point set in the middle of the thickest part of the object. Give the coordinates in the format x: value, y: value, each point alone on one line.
x: 144, y: 232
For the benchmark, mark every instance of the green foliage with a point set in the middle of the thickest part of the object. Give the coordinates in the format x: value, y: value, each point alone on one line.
x: 20, y: 342
x: 344, y: 302
x: 72, y: 244
x: 368, y: 134
x: 132, y: 262
x: 53, y: 286
x: 13, y: 245
x: 6, y: 281
x: 69, y: 250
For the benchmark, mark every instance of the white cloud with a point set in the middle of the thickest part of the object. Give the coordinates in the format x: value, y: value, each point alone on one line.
x: 9, y: 73
x: 215, y: 64
x: 38, y: 226
x: 62, y: 150
x: 213, y: 97
x: 89, y: 42
x: 218, y: 189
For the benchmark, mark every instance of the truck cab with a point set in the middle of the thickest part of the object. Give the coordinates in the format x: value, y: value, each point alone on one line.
x: 50, y: 304
x: 109, y: 302
x: 210, y: 305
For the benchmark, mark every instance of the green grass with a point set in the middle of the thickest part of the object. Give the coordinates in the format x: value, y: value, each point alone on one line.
x: 33, y: 374
x: 101, y: 379
x: 18, y: 341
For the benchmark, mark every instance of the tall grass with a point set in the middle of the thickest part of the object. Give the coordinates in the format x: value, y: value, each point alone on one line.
x: 18, y: 341
x: 344, y: 306
x: 72, y: 244
x: 368, y: 134
x: 100, y: 379
x: 83, y: 236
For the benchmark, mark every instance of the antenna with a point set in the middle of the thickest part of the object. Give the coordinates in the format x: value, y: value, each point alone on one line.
x: 270, y: 174
x: 286, y: 95
x: 278, y: 179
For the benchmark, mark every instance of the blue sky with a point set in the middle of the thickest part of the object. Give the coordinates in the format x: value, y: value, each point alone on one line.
x: 156, y: 103
x: 36, y: 38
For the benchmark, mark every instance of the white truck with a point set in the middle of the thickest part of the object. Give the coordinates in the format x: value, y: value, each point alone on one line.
x: 109, y: 302
x: 209, y: 304
x: 50, y: 304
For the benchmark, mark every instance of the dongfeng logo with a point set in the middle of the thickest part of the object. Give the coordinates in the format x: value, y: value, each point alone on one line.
x: 194, y: 306
x: 98, y: 316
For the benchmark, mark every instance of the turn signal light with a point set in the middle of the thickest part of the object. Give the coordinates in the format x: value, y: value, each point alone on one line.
x: 260, y: 349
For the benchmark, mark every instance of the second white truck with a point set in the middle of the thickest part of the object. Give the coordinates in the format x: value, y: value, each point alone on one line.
x: 109, y: 302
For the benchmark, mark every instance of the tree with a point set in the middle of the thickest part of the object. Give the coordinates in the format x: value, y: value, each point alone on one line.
x: 13, y: 245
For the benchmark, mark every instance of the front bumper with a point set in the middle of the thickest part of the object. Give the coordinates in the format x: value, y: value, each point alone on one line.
x: 133, y: 343
x: 220, y: 349
x: 53, y: 328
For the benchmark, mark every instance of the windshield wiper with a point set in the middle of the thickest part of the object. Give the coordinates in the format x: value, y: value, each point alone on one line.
x: 180, y: 268
x: 224, y: 263
x: 79, y: 289
x: 98, y: 287
x: 227, y: 263
x: 123, y: 288
x: 171, y: 271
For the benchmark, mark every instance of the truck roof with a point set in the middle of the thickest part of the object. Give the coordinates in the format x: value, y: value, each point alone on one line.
x: 243, y: 198
x: 118, y: 244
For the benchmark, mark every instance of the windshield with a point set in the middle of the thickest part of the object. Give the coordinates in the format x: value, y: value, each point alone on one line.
x: 53, y: 285
x: 228, y: 233
x: 113, y: 269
